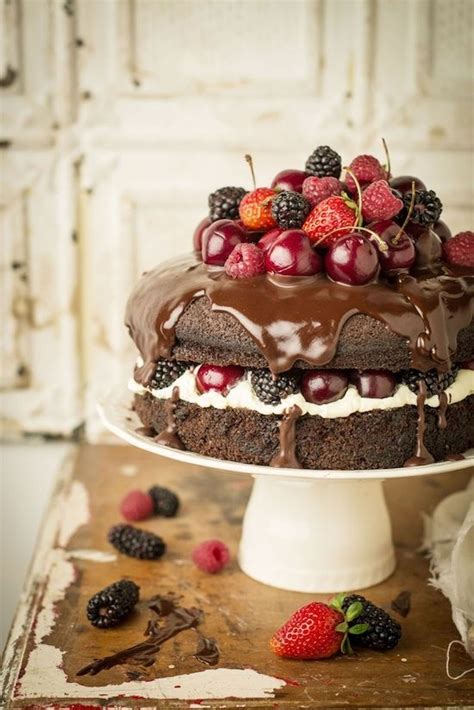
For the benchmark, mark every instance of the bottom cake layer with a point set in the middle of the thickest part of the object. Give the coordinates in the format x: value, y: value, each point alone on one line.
x: 367, y: 440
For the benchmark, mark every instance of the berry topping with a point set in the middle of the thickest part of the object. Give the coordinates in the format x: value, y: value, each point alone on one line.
x: 291, y: 255
x: 383, y: 633
x: 427, y: 207
x: 379, y: 202
x: 460, y: 249
x: 265, y: 242
x: 403, y: 183
x: 428, y: 249
x: 324, y: 162
x: 165, y: 502
x: 290, y: 209
x: 322, y: 386
x: 367, y: 169
x: 352, y: 260
x: 136, y: 543
x: 256, y: 209
x: 316, y: 189
x: 442, y: 230
x: 289, y: 180
x: 330, y: 220
x: 245, y: 261
x: 167, y: 372
x: 224, y: 203
x: 400, y: 252
x: 198, y: 232
x: 435, y: 381
x: 469, y: 365
x: 219, y: 239
x: 211, y: 556
x: 375, y: 384
x: 217, y: 377
x: 271, y: 389
x: 136, y: 505
x: 108, y: 607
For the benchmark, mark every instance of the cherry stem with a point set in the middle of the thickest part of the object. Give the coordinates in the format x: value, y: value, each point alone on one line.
x: 359, y: 199
x: 380, y: 242
x: 387, y: 156
x: 398, y: 235
x: 249, y: 160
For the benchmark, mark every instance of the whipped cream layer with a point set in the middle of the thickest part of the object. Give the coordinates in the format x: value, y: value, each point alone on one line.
x: 242, y: 396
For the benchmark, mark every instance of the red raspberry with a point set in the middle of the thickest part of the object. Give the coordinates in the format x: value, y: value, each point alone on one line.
x: 211, y: 556
x: 316, y: 189
x: 367, y: 169
x: 245, y: 261
x: 379, y: 202
x: 459, y: 250
x: 136, y: 505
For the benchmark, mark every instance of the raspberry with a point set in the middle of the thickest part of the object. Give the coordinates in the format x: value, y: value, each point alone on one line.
x: 167, y: 371
x: 211, y: 556
x: 224, y: 203
x: 136, y: 543
x: 367, y: 169
x: 272, y: 389
x: 459, y: 250
x: 324, y: 162
x: 245, y: 261
x: 165, y: 502
x: 290, y: 209
x: 379, y: 202
x: 316, y: 189
x: 427, y: 207
x: 384, y: 632
x: 136, y: 506
x: 108, y: 607
x: 435, y: 382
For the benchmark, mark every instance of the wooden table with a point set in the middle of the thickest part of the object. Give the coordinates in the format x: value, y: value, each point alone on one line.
x: 51, y: 638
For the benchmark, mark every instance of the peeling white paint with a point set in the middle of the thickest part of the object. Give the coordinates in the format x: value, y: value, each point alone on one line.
x: 60, y: 574
x: 75, y: 512
x: 92, y: 555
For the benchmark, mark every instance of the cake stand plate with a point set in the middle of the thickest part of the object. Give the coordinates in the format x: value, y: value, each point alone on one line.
x: 303, y: 530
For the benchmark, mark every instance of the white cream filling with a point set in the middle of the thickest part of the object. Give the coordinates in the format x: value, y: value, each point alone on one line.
x: 242, y: 396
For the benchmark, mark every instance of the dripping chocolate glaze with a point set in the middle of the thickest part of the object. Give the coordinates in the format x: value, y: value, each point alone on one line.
x: 169, y: 436
x: 286, y: 456
x: 443, y: 406
x: 422, y: 455
x: 301, y: 318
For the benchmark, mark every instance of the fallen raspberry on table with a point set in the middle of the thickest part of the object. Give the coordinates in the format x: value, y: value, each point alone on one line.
x: 316, y: 189
x: 211, y: 556
x: 459, y: 250
x: 245, y: 261
x: 367, y: 169
x: 379, y: 202
x: 136, y: 505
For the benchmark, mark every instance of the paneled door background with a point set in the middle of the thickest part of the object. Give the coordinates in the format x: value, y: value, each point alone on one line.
x: 120, y: 116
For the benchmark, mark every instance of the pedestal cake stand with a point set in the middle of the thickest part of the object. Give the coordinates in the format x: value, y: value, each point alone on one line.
x: 303, y: 530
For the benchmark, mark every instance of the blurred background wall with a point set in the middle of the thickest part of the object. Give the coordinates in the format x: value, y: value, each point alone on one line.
x: 120, y: 116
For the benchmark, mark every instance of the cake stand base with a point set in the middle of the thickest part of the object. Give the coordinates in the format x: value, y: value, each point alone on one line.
x: 317, y: 536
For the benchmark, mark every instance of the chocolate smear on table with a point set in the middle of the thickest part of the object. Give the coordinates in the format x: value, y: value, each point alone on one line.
x: 286, y: 456
x: 422, y: 455
x: 169, y: 436
x: 207, y: 650
x: 402, y: 603
x: 443, y: 406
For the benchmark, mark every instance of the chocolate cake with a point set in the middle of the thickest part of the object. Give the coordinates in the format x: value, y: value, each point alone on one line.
x: 317, y: 324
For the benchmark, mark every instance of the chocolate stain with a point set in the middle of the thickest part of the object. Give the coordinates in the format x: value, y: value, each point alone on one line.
x: 443, y: 406
x: 169, y: 436
x: 207, y: 650
x: 422, y: 455
x: 286, y: 456
x: 402, y: 603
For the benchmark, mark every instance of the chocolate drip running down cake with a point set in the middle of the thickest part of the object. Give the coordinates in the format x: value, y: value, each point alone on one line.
x: 317, y: 324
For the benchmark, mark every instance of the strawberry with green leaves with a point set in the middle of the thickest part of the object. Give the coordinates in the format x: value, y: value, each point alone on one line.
x: 331, y: 219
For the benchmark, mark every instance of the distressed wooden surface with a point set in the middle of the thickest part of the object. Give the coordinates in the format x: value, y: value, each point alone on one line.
x: 239, y: 613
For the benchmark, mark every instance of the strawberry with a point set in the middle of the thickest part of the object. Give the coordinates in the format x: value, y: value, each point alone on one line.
x: 459, y: 250
x: 331, y: 219
x: 367, y: 169
x: 255, y: 209
x: 318, y: 631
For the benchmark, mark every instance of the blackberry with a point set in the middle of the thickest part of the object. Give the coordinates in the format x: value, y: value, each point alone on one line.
x: 324, y: 162
x: 435, y: 382
x: 136, y: 543
x: 108, y: 607
x: 224, y: 203
x: 427, y: 207
x: 165, y: 502
x: 384, y: 632
x: 290, y: 209
x: 272, y: 389
x: 167, y: 371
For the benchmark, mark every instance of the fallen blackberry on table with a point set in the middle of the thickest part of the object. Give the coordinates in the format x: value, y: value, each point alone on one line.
x: 324, y: 162
x: 224, y: 203
x: 167, y: 372
x: 109, y: 606
x: 384, y: 632
x: 165, y: 502
x: 435, y: 382
x: 272, y: 389
x: 136, y: 543
x: 290, y: 209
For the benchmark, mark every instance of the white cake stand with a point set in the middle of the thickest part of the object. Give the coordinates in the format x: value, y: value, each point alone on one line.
x: 303, y: 530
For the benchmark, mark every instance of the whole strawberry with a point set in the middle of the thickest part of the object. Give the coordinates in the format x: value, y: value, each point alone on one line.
x: 317, y: 189
x: 379, y: 202
x: 331, y: 219
x: 255, y: 209
x: 459, y: 250
x: 367, y: 169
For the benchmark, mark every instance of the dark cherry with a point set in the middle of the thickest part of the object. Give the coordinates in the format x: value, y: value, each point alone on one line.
x: 322, y: 386
x: 401, y: 249
x: 402, y: 183
x: 268, y: 238
x: 375, y: 384
x: 428, y: 248
x: 352, y: 260
x: 198, y: 232
x: 469, y: 365
x: 219, y: 239
x: 220, y: 379
x: 442, y: 230
x: 291, y: 180
x: 291, y: 254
